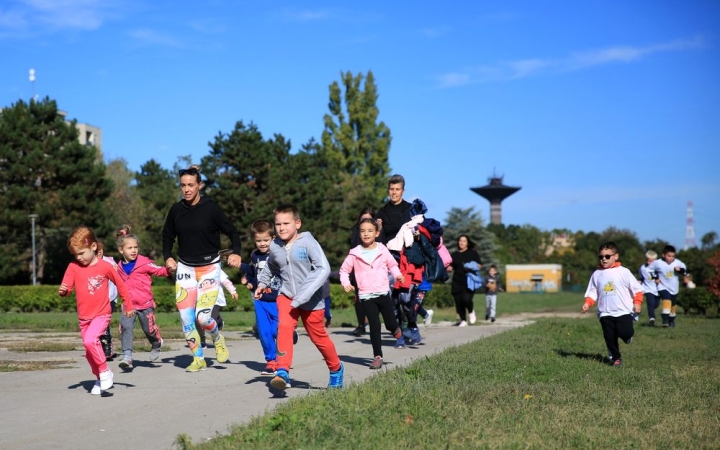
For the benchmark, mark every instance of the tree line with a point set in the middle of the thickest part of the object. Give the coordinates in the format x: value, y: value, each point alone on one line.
x: 44, y: 170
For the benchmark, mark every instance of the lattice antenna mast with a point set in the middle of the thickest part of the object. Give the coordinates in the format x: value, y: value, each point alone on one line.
x: 690, y: 228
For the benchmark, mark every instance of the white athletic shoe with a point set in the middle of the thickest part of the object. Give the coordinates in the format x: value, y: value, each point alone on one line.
x: 428, y: 319
x: 472, y: 317
x: 462, y: 324
x: 106, y: 380
x: 96, y: 389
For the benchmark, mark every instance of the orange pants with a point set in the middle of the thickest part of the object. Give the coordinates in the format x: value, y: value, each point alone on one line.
x: 313, y: 321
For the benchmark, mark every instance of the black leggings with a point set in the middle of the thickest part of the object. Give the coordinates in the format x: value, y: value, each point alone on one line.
x: 373, y: 307
x: 463, y: 301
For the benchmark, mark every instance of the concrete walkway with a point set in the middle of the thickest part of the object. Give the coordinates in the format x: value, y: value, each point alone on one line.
x: 150, y: 406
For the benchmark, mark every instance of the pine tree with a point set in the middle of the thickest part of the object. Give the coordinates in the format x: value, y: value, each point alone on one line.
x: 45, y: 170
x: 470, y: 222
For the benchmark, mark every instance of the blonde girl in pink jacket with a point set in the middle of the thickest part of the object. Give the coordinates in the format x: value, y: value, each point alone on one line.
x: 137, y: 271
x: 371, y: 261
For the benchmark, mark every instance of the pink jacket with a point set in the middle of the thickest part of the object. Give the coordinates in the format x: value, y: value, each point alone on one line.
x: 139, y: 282
x: 370, y: 277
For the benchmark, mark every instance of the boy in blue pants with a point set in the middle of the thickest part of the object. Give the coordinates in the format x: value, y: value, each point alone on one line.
x: 266, y: 311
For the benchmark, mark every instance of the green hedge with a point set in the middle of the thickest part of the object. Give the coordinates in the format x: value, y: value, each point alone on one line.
x: 699, y: 300
x: 46, y: 299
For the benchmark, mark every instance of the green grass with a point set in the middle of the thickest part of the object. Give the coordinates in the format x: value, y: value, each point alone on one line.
x: 541, y: 386
x: 243, y: 321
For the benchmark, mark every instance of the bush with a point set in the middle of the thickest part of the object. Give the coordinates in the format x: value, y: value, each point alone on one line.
x: 44, y: 298
x: 698, y: 301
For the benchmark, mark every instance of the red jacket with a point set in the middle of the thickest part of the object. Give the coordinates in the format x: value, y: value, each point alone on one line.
x: 139, y: 282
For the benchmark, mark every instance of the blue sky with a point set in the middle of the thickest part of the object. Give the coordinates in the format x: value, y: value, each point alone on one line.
x: 605, y: 112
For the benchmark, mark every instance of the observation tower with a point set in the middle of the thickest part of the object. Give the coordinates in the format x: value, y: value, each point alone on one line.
x: 495, y: 193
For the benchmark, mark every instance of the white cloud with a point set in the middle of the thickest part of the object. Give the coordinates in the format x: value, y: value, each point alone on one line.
x: 146, y: 36
x: 307, y: 15
x: 434, y: 32
x: 27, y: 18
x: 524, y: 68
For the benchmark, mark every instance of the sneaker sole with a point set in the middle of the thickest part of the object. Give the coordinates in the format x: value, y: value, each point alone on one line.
x: 268, y: 374
x: 279, y: 383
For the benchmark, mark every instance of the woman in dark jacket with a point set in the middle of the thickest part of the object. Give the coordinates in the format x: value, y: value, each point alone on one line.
x: 461, y: 293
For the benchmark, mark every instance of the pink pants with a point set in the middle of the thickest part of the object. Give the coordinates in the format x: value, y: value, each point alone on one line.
x: 90, y: 332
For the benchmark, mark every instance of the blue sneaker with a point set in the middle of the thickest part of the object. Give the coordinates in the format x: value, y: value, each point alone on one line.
x: 416, y: 336
x: 336, y: 378
x: 281, y: 380
x: 400, y: 343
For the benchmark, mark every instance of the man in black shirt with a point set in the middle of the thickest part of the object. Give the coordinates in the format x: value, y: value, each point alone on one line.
x: 396, y: 211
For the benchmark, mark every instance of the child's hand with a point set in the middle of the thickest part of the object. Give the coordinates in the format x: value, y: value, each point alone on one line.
x: 63, y: 291
x: 129, y: 313
x: 234, y: 260
x: 243, y: 280
x: 171, y: 265
x: 349, y: 288
x: 249, y: 286
x: 401, y: 279
x: 637, y: 308
x: 234, y: 295
x: 585, y: 307
x: 258, y: 292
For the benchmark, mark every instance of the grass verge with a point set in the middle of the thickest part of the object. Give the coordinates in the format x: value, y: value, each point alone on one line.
x: 26, y: 366
x: 542, y: 386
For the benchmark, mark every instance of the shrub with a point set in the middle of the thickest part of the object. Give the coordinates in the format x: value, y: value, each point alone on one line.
x: 44, y: 298
x: 699, y: 301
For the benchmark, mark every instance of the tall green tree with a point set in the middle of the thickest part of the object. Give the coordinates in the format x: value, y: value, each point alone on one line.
x: 470, y: 222
x: 356, y: 144
x: 238, y: 173
x: 45, y: 170
x: 521, y: 244
x: 157, y: 189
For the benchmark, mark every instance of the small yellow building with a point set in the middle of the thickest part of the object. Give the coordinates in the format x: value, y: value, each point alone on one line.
x: 533, y: 277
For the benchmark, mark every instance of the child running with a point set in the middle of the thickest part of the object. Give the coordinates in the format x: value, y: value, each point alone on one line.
x: 300, y: 262
x: 106, y: 338
x: 266, y: 310
x: 619, y: 296
x: 137, y: 271
x: 371, y: 262
x: 89, y: 276
x: 668, y: 269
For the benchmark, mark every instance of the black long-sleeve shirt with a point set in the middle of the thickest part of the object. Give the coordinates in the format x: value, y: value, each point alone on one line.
x: 393, y: 217
x: 197, y: 229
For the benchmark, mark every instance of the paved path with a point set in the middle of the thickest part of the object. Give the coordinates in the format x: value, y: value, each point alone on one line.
x: 150, y: 406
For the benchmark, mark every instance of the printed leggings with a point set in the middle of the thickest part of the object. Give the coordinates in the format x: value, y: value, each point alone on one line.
x: 196, y: 290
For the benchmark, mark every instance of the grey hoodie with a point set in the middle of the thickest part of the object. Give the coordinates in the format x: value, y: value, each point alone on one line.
x: 303, y: 268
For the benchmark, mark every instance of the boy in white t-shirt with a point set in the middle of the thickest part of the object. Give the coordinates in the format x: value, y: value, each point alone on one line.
x: 619, y: 297
x: 668, y: 270
x: 647, y: 279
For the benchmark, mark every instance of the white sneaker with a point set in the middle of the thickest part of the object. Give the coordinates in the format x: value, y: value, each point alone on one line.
x: 96, y: 389
x: 106, y: 380
x: 428, y: 319
x: 473, y: 319
x: 462, y: 324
